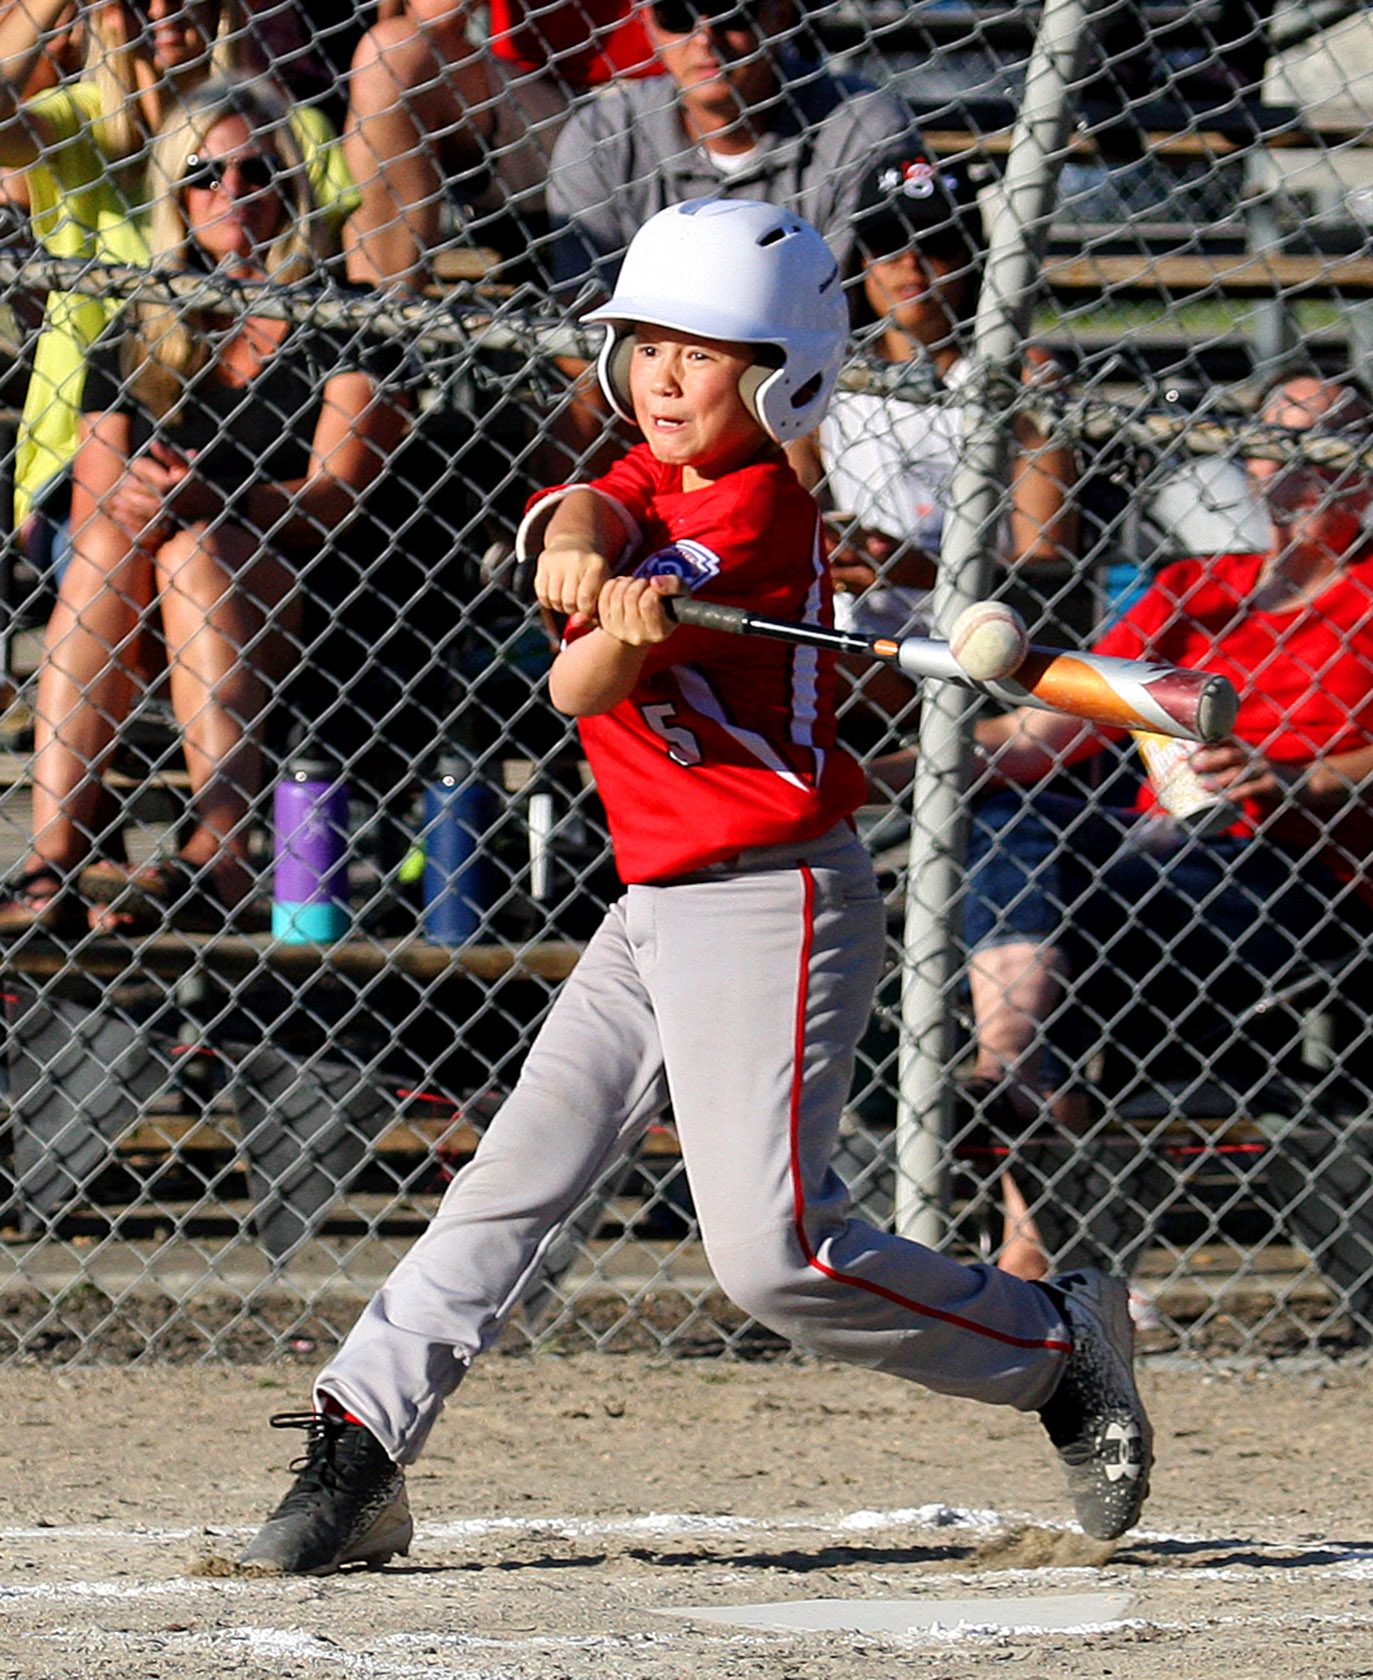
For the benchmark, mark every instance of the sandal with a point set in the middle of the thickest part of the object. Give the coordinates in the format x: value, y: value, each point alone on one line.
x: 22, y: 909
x: 171, y: 892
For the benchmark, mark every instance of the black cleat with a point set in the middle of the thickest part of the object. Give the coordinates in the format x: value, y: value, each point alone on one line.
x: 1095, y: 1416
x: 347, y: 1504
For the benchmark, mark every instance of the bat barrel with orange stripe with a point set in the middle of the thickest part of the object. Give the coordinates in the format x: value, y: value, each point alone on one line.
x: 1127, y: 693
x: 1133, y: 693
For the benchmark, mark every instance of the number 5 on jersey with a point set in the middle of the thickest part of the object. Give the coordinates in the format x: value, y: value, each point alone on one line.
x: 682, y: 746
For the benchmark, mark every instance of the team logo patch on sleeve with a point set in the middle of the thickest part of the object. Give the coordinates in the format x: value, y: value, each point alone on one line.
x: 691, y: 561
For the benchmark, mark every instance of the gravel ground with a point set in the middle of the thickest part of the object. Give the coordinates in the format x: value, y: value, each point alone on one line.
x: 570, y: 1508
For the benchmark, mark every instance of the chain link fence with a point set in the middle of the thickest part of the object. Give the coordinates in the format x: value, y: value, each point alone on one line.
x: 224, y: 1125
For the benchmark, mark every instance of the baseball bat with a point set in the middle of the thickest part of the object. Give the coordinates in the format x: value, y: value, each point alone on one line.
x: 1129, y: 693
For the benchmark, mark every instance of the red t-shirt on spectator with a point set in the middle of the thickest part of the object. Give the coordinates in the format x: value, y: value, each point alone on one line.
x: 1304, y: 677
x: 585, y: 42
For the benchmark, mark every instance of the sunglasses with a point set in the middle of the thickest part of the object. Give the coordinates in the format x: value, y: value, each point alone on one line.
x: 257, y: 171
x: 685, y: 17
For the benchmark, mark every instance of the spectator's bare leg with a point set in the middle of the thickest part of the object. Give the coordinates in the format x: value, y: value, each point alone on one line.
x: 1022, y: 1249
x: 85, y: 688
x: 224, y: 607
x: 1015, y: 989
x: 418, y: 95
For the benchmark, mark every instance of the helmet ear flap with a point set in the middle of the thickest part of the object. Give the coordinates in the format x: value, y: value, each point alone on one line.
x: 762, y: 389
x: 751, y: 383
x: 620, y: 358
x: 613, y: 367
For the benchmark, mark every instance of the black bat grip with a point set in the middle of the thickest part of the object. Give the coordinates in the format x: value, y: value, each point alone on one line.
x: 706, y: 615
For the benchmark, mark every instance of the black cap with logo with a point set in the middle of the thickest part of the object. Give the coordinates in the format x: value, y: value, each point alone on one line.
x: 909, y: 198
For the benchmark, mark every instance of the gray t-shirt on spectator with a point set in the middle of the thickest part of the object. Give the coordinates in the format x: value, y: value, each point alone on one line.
x: 624, y: 155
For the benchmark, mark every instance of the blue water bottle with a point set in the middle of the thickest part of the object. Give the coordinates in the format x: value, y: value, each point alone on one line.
x: 460, y: 809
x: 310, y: 879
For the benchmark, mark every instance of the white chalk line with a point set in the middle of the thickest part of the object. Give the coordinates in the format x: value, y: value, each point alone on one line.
x: 654, y: 1525
x: 663, y: 1525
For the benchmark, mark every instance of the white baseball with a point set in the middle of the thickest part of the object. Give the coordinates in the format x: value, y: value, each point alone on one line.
x: 989, y: 640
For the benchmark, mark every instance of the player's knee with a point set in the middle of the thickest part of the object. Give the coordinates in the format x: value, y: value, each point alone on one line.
x: 769, y: 1279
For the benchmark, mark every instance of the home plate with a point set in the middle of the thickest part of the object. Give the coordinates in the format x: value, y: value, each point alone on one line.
x: 1082, y: 1612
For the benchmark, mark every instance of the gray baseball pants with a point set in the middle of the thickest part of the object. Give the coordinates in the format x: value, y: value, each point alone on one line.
x: 738, y: 995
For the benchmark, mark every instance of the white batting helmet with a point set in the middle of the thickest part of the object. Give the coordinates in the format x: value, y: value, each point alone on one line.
x: 737, y: 269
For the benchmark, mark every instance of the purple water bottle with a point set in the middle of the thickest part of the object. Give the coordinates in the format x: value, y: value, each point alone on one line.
x: 460, y: 809
x: 310, y: 823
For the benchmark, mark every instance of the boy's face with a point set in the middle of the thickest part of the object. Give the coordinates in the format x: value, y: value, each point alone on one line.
x: 920, y: 292
x: 685, y: 392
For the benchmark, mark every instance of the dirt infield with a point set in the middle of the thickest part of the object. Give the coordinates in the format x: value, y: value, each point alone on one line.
x: 569, y: 1506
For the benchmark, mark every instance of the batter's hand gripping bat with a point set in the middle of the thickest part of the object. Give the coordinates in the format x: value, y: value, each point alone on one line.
x: 1129, y: 693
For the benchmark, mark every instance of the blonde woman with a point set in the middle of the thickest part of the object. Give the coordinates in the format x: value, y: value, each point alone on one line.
x: 219, y: 456
x: 81, y: 148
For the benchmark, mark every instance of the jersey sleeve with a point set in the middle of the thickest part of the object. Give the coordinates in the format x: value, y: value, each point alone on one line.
x: 628, y: 487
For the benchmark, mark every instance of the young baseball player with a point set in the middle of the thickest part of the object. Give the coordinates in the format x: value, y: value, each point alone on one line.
x: 734, y: 977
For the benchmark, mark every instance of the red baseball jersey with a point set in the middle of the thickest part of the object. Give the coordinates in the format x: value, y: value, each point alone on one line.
x: 585, y: 42
x: 727, y: 741
x: 1305, y: 677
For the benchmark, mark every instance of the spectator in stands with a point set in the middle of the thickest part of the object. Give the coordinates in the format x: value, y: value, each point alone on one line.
x: 739, y: 114
x: 63, y: 51
x: 220, y: 456
x: 1064, y: 897
x: 82, y: 147
x: 308, y: 45
x: 62, y: 56
x: 434, y: 114
x: 884, y: 463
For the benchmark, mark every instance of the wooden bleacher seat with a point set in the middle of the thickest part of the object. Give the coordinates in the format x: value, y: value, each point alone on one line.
x: 1245, y: 275
x: 168, y: 955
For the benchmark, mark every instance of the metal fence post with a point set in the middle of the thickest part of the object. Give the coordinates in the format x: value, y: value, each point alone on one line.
x: 1015, y: 250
